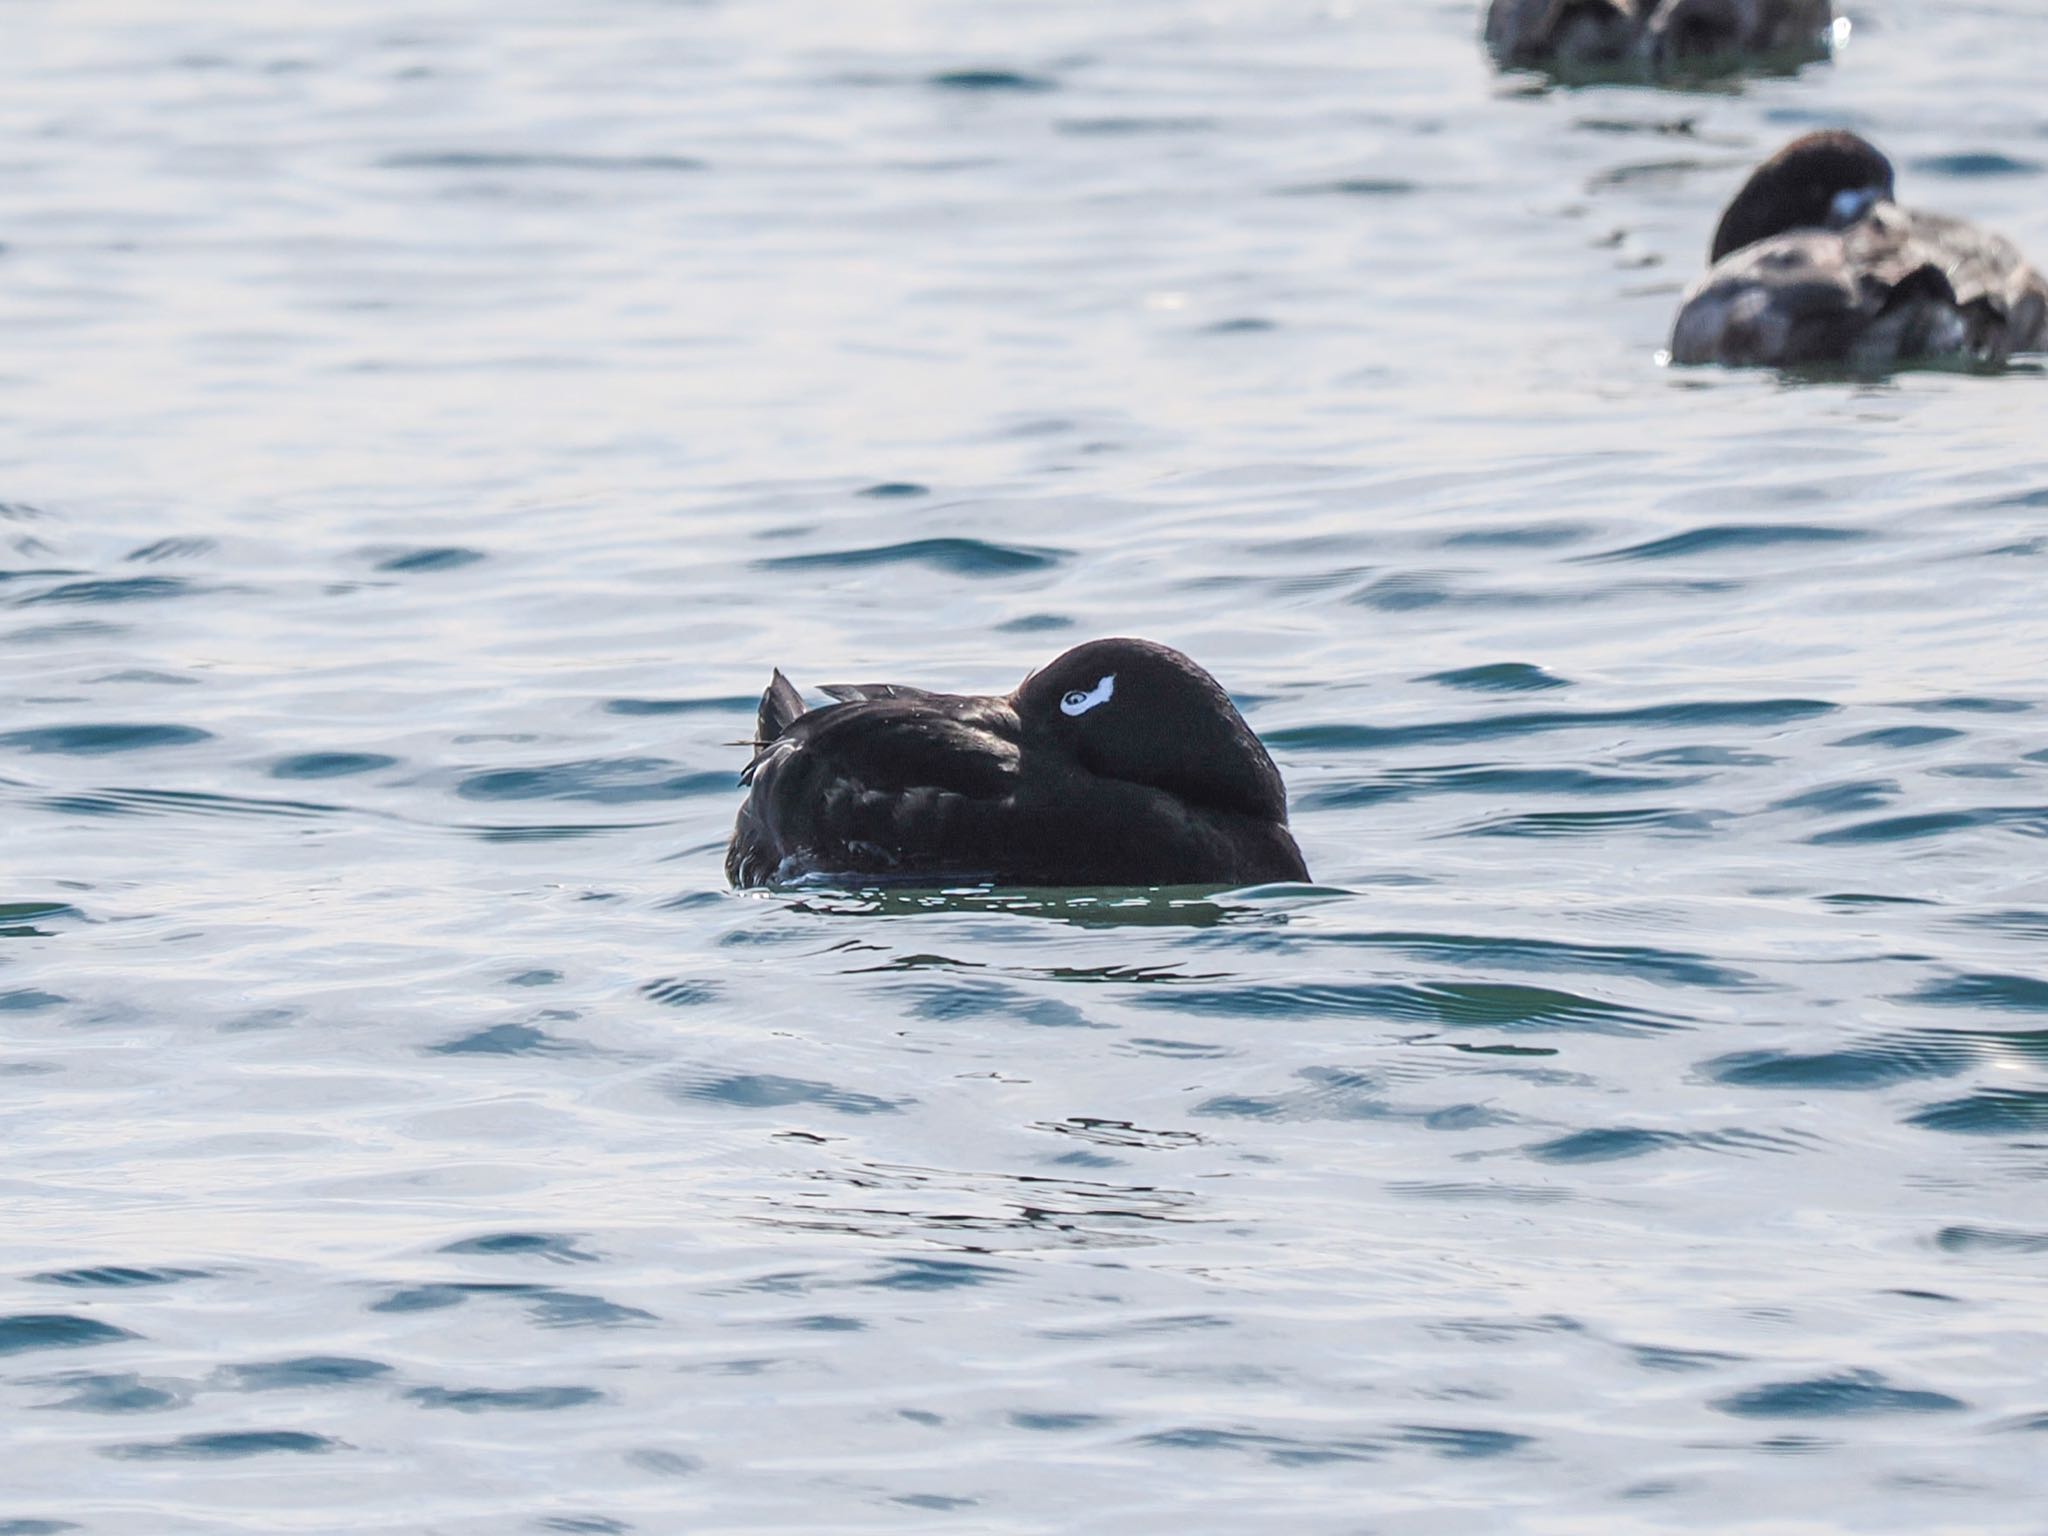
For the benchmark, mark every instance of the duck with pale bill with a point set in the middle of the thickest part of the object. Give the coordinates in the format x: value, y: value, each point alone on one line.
x: 1815, y: 265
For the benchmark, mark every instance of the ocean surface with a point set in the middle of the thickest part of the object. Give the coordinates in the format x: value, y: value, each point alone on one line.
x: 423, y: 427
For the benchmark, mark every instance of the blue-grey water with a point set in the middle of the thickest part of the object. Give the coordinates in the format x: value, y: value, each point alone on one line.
x: 423, y: 427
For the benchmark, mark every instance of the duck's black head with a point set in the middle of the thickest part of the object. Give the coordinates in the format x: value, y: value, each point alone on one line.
x: 1144, y: 713
x: 1818, y: 181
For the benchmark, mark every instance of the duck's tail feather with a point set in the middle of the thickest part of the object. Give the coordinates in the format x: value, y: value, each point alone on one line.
x: 780, y: 706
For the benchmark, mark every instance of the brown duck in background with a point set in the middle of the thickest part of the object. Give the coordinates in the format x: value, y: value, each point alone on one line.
x: 1658, y: 37
x: 1814, y: 265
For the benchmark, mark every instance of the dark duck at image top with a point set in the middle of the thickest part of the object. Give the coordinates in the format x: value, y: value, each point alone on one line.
x: 1814, y: 265
x: 1658, y: 37
x: 1120, y: 763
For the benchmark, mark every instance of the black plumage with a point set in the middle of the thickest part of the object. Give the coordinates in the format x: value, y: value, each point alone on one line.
x: 1814, y: 264
x: 1120, y: 763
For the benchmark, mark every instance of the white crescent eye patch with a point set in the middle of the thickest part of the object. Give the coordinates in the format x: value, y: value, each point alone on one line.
x: 1079, y: 703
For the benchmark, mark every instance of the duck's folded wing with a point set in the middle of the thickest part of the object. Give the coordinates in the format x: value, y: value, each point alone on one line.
x: 1977, y: 263
x: 963, y: 746
x: 879, y: 786
x: 1988, y: 274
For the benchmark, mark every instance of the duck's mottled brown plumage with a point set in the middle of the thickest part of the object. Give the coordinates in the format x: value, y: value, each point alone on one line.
x: 1813, y: 264
x: 1655, y: 36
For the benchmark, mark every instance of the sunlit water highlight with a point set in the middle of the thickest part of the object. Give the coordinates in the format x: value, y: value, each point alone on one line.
x: 422, y: 433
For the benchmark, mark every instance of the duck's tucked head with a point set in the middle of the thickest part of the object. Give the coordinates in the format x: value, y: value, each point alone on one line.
x: 1818, y: 181
x: 1144, y: 713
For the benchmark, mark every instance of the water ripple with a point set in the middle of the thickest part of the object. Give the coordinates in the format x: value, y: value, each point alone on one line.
x: 1465, y: 1004
x: 955, y: 557
x: 232, y: 1445
x: 1722, y: 538
x: 96, y: 740
x: 1846, y: 1394
x: 26, y: 1331
x: 1365, y: 738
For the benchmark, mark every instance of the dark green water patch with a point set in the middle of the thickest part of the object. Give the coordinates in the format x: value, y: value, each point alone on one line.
x: 1280, y: 1450
x: 1723, y: 538
x: 504, y: 1040
x: 124, y: 1392
x: 2007, y: 994
x: 954, y: 557
x: 1988, y: 1112
x: 180, y: 802
x: 116, y: 1277
x: 304, y: 1371
x: 985, y: 81
x: 1872, y: 1064
x: 1131, y: 125
x: 545, y: 1305
x: 1971, y: 704
x: 1989, y: 1240
x: 1846, y: 1394
x: 1667, y: 1359
x: 420, y: 562
x: 2022, y: 922
x: 1353, y: 186
x: 158, y: 550
x: 1456, y: 1442
x: 1897, y: 829
x: 132, y: 589
x: 99, y: 740
x: 935, y: 1275
x: 1607, y: 1144
x: 503, y: 1399
x: 1058, y: 1423
x: 553, y: 831
x: 599, y: 781
x: 974, y: 999
x: 729, y: 704
x: 765, y: 1091
x: 330, y: 765
x: 26, y: 1331
x: 1842, y: 799
x: 1597, y: 823
x: 1498, y: 677
x: 228, y: 1446
x: 21, y: 919
x: 1900, y: 736
x: 552, y: 1246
